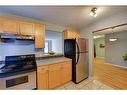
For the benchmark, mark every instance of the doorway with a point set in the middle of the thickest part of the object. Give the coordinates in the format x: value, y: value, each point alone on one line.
x: 109, y: 65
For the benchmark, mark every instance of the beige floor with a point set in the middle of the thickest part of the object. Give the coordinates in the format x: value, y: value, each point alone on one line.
x: 88, y: 84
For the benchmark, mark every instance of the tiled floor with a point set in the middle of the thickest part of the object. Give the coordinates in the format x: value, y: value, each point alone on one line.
x: 88, y: 84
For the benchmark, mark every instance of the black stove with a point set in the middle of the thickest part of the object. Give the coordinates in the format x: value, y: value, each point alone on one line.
x: 18, y: 64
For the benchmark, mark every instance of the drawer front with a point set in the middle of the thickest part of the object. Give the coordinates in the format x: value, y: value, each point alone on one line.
x: 55, y: 67
x: 42, y: 69
x: 66, y: 64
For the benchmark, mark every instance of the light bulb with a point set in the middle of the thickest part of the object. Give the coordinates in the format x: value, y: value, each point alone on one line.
x: 91, y: 13
x: 95, y: 15
x: 112, y: 39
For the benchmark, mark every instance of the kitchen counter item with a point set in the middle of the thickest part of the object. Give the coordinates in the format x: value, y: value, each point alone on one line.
x: 51, y: 60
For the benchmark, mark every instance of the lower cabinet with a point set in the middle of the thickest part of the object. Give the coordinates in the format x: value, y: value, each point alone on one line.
x: 51, y: 76
x: 54, y: 75
x: 66, y: 72
x: 42, y: 77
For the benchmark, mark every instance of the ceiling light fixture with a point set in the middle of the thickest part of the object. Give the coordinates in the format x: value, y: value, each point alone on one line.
x: 112, y: 39
x: 93, y: 12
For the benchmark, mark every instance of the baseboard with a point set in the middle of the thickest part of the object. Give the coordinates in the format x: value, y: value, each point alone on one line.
x: 117, y: 65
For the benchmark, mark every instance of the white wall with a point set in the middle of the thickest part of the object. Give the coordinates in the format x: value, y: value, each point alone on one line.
x: 86, y: 32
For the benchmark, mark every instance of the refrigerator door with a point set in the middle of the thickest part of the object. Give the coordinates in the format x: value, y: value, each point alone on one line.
x: 82, y: 67
x: 82, y: 44
x: 69, y: 48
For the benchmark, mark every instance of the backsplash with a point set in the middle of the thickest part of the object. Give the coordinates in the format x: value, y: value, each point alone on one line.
x: 18, y: 47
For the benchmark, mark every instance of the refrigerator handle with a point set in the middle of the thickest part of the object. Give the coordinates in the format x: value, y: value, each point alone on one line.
x: 77, y: 53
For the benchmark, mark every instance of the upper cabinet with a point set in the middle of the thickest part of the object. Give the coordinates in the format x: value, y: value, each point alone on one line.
x: 39, y: 35
x: 71, y: 34
x: 26, y: 28
x: 1, y: 26
x: 9, y: 26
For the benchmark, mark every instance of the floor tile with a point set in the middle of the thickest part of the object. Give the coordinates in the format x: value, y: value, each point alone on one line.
x: 92, y: 86
x: 105, y: 87
x: 69, y: 83
x: 71, y: 86
x: 96, y: 82
x: 83, y: 83
x: 88, y: 84
x: 84, y: 88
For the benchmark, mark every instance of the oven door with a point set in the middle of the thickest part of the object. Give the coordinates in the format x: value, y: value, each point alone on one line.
x: 22, y: 81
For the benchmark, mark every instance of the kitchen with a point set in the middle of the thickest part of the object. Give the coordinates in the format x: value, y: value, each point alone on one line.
x: 30, y: 64
x: 43, y: 50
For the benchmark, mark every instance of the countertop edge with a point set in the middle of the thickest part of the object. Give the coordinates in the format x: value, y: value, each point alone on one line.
x: 50, y: 63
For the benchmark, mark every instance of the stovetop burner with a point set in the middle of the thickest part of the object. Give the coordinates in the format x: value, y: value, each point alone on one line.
x: 18, y: 63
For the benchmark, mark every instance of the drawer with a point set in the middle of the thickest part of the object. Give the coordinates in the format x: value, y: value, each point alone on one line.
x: 55, y: 67
x: 42, y: 69
x: 66, y: 64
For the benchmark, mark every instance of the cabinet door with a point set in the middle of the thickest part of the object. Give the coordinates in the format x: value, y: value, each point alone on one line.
x: 26, y: 28
x: 10, y: 26
x: 66, y: 72
x: 42, y: 77
x: 77, y: 34
x: 39, y: 36
x: 54, y: 75
x: 1, y: 26
x: 71, y: 34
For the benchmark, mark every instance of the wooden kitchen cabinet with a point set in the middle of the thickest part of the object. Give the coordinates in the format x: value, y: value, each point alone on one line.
x: 26, y: 28
x: 54, y: 75
x: 66, y: 72
x: 23, y: 27
x: 42, y: 77
x: 39, y: 35
x: 9, y: 26
x: 1, y: 27
x: 71, y: 34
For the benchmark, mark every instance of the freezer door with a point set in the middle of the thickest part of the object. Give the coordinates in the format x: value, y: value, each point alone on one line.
x: 82, y: 44
x: 69, y: 47
x: 82, y: 67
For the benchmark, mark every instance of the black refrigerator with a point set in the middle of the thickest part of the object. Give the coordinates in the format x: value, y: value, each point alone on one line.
x: 77, y: 50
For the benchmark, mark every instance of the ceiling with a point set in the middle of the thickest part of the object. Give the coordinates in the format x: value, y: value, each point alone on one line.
x: 70, y: 16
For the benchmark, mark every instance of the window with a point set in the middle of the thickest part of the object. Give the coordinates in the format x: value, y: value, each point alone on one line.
x: 56, y: 39
x: 48, y: 46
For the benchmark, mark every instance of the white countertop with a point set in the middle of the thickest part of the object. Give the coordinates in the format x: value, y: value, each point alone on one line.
x: 51, y: 60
